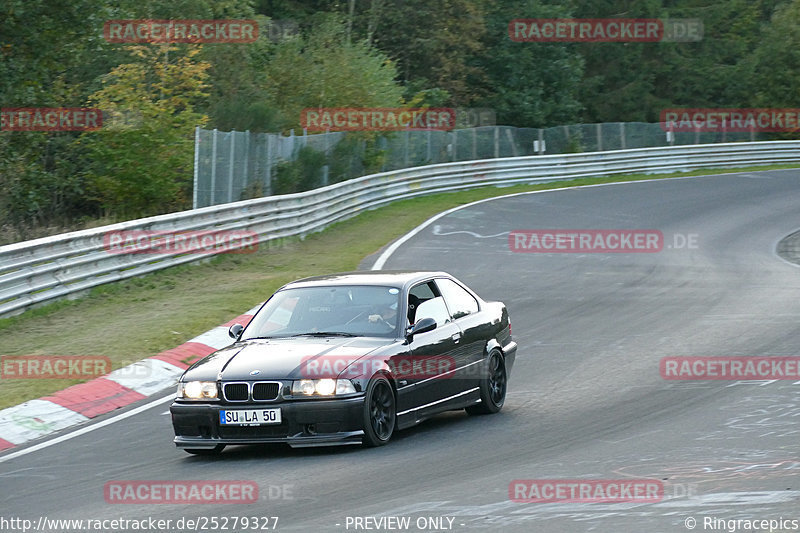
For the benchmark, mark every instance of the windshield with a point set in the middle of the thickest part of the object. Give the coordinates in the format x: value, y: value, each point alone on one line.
x: 352, y: 310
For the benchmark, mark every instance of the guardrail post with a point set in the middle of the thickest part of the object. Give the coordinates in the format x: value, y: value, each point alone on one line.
x: 496, y: 142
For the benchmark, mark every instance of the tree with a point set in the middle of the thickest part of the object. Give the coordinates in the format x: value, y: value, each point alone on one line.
x: 529, y: 84
x: 322, y: 69
x: 140, y: 162
x: 434, y: 43
x: 773, y: 68
x: 635, y: 81
x: 238, y: 99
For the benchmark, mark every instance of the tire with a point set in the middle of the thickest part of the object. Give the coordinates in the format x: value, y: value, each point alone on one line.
x: 493, y: 386
x: 205, y: 451
x: 380, y: 412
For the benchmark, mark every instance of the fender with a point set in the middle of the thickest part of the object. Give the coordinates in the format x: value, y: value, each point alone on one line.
x: 491, y: 344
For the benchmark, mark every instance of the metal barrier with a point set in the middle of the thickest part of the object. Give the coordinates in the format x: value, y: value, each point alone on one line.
x: 237, y: 165
x: 42, y: 270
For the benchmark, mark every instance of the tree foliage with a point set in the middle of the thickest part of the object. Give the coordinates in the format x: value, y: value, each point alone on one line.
x: 324, y: 69
x: 141, y: 161
x: 364, y: 53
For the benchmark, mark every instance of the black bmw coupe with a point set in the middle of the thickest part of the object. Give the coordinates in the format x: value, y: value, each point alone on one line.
x: 347, y: 359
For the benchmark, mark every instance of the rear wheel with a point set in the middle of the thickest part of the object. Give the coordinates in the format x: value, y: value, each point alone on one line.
x: 379, y: 412
x: 492, y: 387
x: 205, y: 451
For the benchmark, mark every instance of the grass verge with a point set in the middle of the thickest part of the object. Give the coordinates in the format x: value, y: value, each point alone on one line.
x: 131, y: 320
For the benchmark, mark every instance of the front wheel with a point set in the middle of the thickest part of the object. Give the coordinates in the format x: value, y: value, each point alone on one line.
x: 379, y: 412
x: 492, y: 387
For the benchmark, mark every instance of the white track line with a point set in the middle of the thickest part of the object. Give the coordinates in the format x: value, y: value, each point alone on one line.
x: 378, y: 265
x: 86, y: 429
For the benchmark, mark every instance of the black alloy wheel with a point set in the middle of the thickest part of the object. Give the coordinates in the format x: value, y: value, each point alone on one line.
x: 379, y: 412
x: 492, y: 387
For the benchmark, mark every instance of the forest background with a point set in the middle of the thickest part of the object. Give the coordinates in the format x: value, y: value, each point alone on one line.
x: 350, y: 53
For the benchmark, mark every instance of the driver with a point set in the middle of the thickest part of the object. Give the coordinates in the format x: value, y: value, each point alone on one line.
x: 387, y: 308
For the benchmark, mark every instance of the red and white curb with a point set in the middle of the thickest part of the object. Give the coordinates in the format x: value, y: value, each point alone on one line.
x: 124, y: 386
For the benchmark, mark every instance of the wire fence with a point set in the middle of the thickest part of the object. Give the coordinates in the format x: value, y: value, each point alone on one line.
x: 236, y: 165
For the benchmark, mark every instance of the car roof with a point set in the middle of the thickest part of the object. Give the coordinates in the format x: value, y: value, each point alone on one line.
x: 392, y: 278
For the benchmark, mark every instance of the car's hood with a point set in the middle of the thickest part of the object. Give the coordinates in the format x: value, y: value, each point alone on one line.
x: 280, y: 358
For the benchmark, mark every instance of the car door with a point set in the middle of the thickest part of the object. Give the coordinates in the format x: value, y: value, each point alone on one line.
x: 475, y: 332
x: 430, y: 385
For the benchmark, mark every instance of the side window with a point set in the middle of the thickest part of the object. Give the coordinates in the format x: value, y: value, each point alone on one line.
x: 417, y: 295
x: 459, y: 301
x: 435, y: 309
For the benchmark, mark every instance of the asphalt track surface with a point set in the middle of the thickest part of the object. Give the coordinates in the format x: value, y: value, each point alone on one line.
x: 585, y: 401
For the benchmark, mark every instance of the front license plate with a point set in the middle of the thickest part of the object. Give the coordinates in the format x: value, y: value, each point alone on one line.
x: 249, y: 417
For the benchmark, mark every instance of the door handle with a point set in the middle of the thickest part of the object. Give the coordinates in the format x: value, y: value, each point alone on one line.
x: 456, y: 337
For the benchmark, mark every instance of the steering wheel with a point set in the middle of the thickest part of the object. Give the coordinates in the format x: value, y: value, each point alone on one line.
x: 359, y: 315
x: 384, y: 322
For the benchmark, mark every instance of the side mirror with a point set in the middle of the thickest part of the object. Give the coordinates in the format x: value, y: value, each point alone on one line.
x: 421, y: 326
x: 235, y: 331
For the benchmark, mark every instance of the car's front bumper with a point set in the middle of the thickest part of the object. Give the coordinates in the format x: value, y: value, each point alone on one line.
x: 304, y: 423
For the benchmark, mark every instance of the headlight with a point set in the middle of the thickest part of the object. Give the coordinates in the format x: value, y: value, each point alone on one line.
x: 197, y: 390
x: 322, y: 387
x: 326, y: 387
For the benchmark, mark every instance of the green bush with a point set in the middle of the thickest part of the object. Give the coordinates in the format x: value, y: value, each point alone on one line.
x: 302, y: 174
x: 40, y: 188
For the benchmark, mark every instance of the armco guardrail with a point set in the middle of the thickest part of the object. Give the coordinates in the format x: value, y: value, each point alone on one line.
x: 45, y: 269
